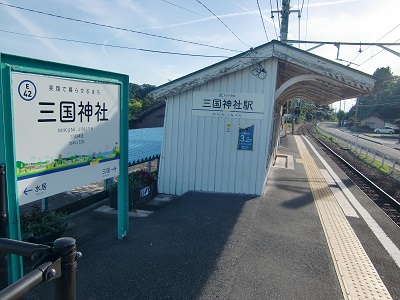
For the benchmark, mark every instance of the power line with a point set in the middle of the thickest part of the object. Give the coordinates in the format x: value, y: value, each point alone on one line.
x: 337, y: 44
x: 273, y: 19
x: 346, y: 43
x: 380, y: 104
x: 360, y: 51
x: 305, y: 37
x: 184, y: 8
x: 113, y: 46
x: 223, y: 23
x: 396, y: 69
x: 243, y: 55
x: 376, y: 54
x: 279, y: 18
x: 262, y: 20
x: 300, y: 15
x: 114, y: 27
x: 301, y: 10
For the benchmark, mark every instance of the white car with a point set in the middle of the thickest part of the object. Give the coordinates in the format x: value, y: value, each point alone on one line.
x: 385, y: 129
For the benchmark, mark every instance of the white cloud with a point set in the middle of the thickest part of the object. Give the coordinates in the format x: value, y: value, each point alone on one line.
x: 139, y: 11
x: 34, y: 29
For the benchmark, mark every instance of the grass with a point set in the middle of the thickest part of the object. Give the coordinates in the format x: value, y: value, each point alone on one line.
x: 322, y: 133
x: 383, y: 135
x: 376, y: 164
x: 370, y: 161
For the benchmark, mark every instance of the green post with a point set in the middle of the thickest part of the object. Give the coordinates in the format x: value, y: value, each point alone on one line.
x: 7, y: 157
x: 123, y: 217
x: 45, y: 204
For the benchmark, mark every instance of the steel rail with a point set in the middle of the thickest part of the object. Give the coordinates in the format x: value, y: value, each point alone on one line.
x: 381, y: 192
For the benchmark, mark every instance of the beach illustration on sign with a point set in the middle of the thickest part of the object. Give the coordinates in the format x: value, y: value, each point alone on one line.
x: 53, y: 165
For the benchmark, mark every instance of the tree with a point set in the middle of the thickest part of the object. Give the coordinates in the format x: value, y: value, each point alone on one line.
x: 341, y: 116
x: 135, y: 107
x: 148, y: 101
x: 141, y: 100
x: 385, y: 102
x: 351, y: 122
x: 139, y: 92
x: 384, y: 77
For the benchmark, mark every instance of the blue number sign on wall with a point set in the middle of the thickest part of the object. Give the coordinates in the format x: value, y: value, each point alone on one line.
x: 245, y: 141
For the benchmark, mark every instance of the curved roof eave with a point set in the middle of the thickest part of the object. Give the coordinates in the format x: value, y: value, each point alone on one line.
x: 315, y: 88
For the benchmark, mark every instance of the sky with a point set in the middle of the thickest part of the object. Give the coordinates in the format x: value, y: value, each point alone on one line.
x: 106, y: 35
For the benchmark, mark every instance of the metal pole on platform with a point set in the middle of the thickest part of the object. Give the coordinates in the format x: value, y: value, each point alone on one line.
x: 107, y: 183
x: 66, y: 284
x: 3, y: 226
x: 292, y: 113
x: 3, y: 202
x: 45, y: 204
x: 123, y: 205
x: 355, y: 120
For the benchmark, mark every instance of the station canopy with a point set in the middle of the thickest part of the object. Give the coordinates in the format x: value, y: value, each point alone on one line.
x: 300, y: 74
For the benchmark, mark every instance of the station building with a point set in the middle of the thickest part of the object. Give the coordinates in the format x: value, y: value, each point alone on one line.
x: 222, y: 123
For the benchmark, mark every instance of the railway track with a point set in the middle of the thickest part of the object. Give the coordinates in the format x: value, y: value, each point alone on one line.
x: 378, y: 195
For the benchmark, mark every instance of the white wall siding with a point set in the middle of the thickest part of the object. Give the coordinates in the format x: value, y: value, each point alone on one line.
x: 199, y: 154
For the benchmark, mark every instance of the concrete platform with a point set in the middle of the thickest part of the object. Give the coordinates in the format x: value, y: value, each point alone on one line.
x: 229, y: 246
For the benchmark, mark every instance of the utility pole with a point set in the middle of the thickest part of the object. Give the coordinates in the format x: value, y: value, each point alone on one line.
x: 284, y: 33
x: 355, y: 121
x: 285, y: 20
x: 344, y: 111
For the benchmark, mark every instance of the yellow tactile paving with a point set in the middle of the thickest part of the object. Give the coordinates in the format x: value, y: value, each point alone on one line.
x: 357, y: 276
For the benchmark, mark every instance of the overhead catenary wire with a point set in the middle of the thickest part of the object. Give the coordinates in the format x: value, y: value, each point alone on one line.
x: 279, y: 18
x: 117, y: 28
x: 375, y: 54
x: 244, y: 55
x: 301, y: 14
x: 299, y: 17
x: 181, y: 7
x: 223, y: 23
x: 302, y: 5
x: 305, y: 37
x: 396, y: 69
x: 273, y: 19
x: 346, y: 43
x: 376, y: 41
x: 395, y: 43
x: 380, y: 104
x: 262, y: 20
x: 114, y: 46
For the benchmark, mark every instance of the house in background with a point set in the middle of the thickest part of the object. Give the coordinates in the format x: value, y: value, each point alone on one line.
x: 373, y: 122
x: 150, y: 118
x: 391, y: 124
